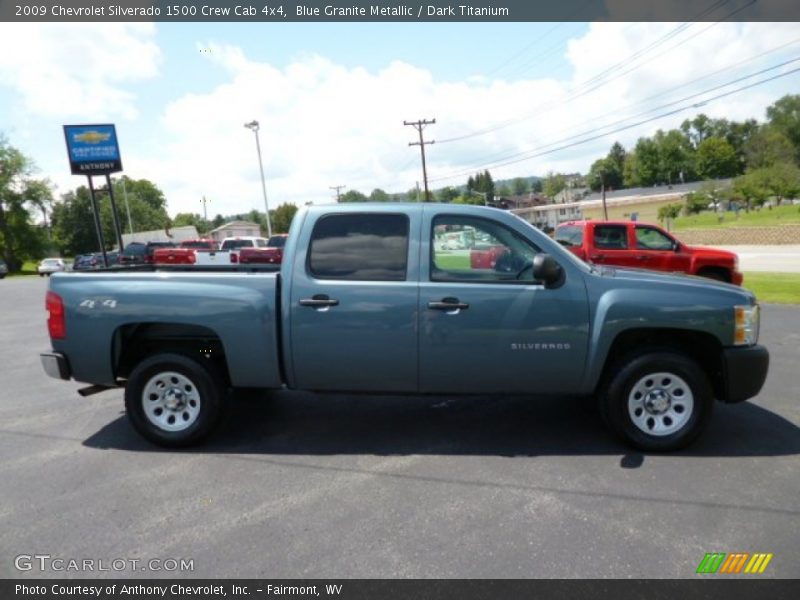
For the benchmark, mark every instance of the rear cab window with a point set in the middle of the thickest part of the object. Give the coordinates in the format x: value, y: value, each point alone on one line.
x: 611, y: 237
x: 359, y: 247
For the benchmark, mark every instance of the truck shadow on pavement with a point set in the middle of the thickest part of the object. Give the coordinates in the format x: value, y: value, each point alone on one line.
x: 294, y: 423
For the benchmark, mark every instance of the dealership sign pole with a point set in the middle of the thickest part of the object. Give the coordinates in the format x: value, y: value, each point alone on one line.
x: 93, y: 150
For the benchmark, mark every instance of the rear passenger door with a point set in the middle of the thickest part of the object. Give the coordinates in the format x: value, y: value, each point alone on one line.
x: 610, y: 246
x: 353, y: 303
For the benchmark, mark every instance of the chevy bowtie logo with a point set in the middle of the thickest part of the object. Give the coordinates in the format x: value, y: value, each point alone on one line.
x: 735, y: 563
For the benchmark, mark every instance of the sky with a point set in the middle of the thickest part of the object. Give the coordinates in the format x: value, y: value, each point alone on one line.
x: 331, y: 98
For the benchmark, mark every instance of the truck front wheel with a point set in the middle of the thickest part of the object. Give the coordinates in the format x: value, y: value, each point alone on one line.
x: 658, y: 401
x: 173, y: 400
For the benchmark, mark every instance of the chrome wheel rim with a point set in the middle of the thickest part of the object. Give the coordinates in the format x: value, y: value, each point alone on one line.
x: 660, y: 404
x: 171, y: 401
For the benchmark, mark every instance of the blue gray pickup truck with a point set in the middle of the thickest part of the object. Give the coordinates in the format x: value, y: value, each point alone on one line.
x: 385, y: 299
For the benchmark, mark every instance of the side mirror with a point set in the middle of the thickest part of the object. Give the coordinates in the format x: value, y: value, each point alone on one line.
x: 545, y: 268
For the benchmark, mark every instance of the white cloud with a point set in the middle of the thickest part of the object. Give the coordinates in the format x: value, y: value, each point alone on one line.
x: 77, y: 69
x: 325, y: 124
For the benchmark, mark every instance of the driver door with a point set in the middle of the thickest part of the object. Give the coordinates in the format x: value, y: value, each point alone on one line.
x: 485, y: 326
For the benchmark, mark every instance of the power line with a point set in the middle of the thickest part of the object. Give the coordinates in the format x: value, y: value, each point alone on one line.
x: 536, y: 153
x: 419, y: 126
x: 661, y: 93
x: 581, y: 90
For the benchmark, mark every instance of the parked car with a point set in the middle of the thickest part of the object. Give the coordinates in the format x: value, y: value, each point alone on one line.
x: 185, y: 254
x: 233, y: 245
x: 139, y: 253
x: 3, y: 268
x: 83, y: 262
x: 272, y: 254
x: 640, y: 245
x: 51, y: 265
x: 365, y: 303
x: 94, y: 260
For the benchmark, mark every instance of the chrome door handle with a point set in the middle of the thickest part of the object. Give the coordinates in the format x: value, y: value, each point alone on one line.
x: 448, y: 304
x: 319, y: 301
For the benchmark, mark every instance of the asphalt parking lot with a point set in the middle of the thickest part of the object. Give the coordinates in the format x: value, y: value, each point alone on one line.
x: 301, y: 485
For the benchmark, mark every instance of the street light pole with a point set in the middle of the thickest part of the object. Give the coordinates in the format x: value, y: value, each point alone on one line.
x: 253, y: 126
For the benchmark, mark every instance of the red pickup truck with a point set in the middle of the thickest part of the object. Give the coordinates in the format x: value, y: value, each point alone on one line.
x: 186, y: 254
x: 640, y: 245
x: 272, y: 254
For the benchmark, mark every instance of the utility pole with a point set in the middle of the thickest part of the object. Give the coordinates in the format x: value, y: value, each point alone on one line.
x: 338, y: 188
x: 419, y: 126
x: 204, y: 200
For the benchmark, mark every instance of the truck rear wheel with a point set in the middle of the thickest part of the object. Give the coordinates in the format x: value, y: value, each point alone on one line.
x: 173, y: 400
x: 658, y: 401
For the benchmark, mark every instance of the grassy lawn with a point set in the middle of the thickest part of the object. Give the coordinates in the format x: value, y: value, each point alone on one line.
x: 28, y: 268
x: 778, y: 215
x: 455, y: 262
x: 776, y: 288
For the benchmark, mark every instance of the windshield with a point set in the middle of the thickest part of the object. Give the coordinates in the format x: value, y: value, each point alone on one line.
x: 234, y: 244
x: 277, y: 241
x: 197, y: 245
x: 134, y: 250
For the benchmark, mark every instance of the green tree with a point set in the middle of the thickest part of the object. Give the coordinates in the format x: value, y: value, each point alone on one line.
x: 669, y: 212
x: 282, y: 217
x: 520, y: 186
x: 504, y: 191
x: 767, y: 147
x: 554, y: 183
x: 353, y: 196
x: 482, y: 182
x: 751, y: 187
x: 73, y: 220
x: 378, y: 195
x: 716, y: 159
x: 20, y: 194
x: 192, y: 219
x: 784, y: 117
x: 675, y: 157
x: 447, y: 194
x: 644, y: 167
x: 782, y: 180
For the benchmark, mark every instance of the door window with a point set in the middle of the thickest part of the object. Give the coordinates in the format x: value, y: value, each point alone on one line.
x: 611, y: 237
x: 478, y: 250
x: 361, y: 247
x: 648, y: 238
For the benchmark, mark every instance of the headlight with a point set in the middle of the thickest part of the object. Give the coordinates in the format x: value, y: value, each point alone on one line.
x: 747, y: 323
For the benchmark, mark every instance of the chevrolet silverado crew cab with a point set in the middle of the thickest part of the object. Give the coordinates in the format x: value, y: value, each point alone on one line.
x: 639, y: 245
x: 379, y: 299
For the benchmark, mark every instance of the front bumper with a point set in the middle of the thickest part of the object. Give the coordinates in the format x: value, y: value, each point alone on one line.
x: 55, y: 365
x: 744, y: 371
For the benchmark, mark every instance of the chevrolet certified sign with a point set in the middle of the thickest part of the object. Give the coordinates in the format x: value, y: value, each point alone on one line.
x: 92, y: 149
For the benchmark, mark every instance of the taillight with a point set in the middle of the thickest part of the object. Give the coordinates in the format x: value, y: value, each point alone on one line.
x: 234, y: 258
x: 192, y: 257
x: 56, y: 324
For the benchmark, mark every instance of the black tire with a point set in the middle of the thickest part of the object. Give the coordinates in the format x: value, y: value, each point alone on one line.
x: 162, y: 378
x: 715, y: 275
x: 680, y: 384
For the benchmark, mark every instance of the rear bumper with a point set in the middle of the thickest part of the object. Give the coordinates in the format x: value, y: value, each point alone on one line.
x: 55, y: 365
x: 745, y: 370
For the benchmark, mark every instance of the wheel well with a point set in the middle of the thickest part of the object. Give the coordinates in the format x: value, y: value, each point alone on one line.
x: 703, y: 348
x: 721, y: 272
x: 134, y: 342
